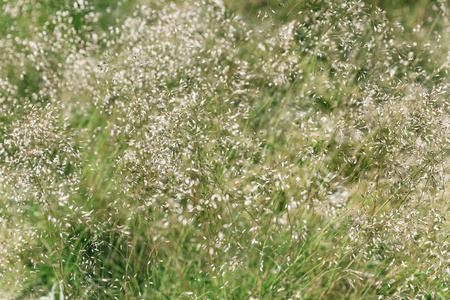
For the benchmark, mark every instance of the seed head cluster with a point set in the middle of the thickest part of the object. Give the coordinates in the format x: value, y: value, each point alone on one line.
x: 176, y: 149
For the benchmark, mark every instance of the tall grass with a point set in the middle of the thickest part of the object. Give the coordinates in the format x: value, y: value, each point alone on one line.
x: 193, y: 150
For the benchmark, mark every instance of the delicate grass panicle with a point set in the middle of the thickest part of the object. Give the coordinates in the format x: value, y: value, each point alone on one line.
x: 181, y: 149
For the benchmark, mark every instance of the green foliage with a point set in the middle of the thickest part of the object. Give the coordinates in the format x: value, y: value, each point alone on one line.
x: 245, y: 149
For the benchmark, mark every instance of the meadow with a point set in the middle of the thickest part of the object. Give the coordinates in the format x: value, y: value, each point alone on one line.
x: 259, y: 149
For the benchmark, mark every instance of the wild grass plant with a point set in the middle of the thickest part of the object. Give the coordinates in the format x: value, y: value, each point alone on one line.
x: 186, y: 149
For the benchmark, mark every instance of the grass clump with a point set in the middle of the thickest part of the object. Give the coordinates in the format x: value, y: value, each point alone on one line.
x: 180, y: 150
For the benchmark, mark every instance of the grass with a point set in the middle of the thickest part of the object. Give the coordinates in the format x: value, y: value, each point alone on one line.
x: 224, y: 150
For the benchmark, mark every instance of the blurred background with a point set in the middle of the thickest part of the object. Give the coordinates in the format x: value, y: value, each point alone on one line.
x: 409, y: 13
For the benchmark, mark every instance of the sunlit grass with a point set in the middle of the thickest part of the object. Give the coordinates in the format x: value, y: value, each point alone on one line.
x: 235, y: 150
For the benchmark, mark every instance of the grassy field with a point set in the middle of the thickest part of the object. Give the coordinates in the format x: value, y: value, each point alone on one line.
x: 224, y: 150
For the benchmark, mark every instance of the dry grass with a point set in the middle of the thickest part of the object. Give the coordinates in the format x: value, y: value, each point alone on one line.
x: 180, y: 150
